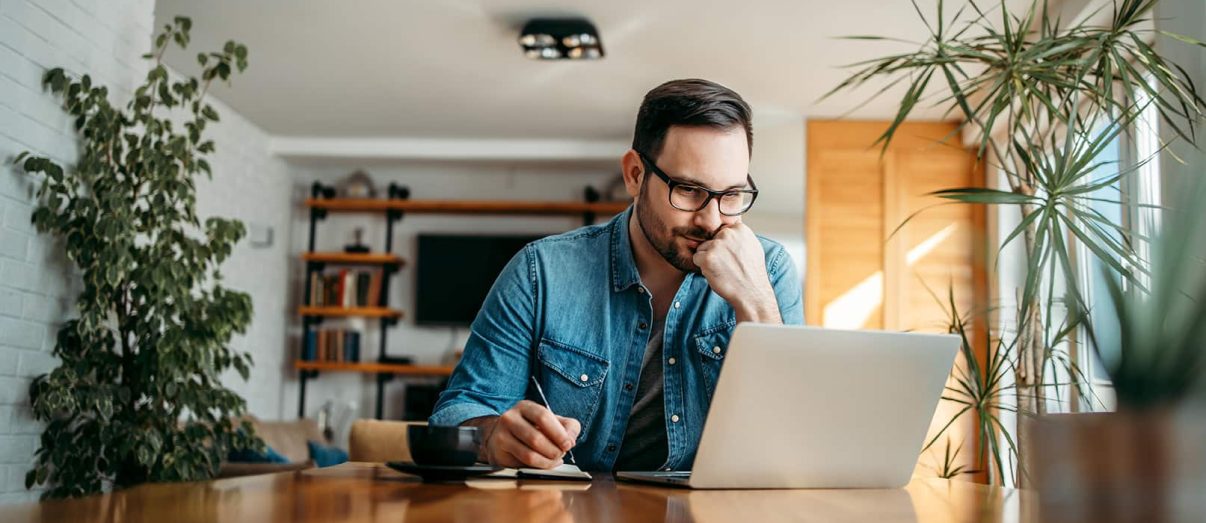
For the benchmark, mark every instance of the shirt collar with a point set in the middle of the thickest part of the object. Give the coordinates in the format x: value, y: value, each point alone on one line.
x: 623, y: 264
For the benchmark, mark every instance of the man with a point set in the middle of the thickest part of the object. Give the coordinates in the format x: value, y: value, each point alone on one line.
x: 625, y: 324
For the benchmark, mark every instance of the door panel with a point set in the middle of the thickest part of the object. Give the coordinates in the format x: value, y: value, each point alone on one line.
x: 864, y: 272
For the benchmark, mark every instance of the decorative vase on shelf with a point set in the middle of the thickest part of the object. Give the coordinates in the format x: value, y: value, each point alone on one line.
x: 358, y: 184
x: 357, y: 246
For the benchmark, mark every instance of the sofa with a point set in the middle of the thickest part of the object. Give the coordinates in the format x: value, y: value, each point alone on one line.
x: 288, y: 438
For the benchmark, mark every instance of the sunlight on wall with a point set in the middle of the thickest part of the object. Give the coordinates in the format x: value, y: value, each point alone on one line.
x: 854, y: 307
x: 917, y: 253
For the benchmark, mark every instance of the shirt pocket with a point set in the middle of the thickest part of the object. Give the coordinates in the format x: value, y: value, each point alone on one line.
x: 572, y: 381
x: 712, y: 344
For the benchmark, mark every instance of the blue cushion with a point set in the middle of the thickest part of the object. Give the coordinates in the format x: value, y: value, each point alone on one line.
x: 326, y: 455
x: 250, y: 456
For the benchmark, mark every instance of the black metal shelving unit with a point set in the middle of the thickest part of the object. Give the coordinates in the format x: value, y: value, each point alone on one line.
x: 317, y: 214
x: 323, y: 201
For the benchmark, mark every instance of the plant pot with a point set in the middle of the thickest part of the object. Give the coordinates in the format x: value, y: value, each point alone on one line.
x: 1145, y: 465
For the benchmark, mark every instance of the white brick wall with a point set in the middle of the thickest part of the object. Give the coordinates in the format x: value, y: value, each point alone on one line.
x: 106, y: 38
x: 35, y: 289
x: 253, y: 186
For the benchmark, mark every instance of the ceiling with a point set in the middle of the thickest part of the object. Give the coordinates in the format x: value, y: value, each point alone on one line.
x: 453, y: 69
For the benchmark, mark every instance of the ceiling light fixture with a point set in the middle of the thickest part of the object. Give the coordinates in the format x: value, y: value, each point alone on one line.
x: 560, y: 38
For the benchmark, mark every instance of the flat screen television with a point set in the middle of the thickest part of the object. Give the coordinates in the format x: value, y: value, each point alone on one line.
x: 455, y: 272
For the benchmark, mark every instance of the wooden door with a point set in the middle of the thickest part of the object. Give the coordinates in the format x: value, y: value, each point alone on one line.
x: 866, y: 271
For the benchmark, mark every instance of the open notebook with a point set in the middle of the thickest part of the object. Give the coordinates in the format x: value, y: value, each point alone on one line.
x: 565, y: 472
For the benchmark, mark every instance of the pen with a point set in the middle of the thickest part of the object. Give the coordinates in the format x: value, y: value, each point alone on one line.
x: 550, y: 407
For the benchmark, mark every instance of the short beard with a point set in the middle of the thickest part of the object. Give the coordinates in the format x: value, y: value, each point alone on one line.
x: 647, y: 219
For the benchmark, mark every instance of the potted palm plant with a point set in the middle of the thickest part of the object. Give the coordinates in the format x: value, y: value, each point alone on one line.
x: 1147, y: 461
x: 1045, y: 99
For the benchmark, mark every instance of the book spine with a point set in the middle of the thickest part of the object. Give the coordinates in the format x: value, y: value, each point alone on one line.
x: 315, y: 289
x: 338, y: 353
x: 375, y: 288
x: 321, y: 353
x: 331, y: 287
x: 330, y: 347
x: 344, y: 292
x: 326, y: 346
x: 310, y: 350
x: 363, y: 283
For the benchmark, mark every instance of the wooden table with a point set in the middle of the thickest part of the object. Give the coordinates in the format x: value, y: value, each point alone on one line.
x: 370, y: 492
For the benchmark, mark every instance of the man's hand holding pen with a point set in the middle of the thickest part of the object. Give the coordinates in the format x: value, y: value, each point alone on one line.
x: 527, y: 435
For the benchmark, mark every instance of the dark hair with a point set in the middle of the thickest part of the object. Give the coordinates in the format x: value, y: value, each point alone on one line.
x: 690, y: 102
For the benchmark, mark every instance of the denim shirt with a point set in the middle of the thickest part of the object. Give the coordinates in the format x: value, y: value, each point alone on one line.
x: 570, y: 309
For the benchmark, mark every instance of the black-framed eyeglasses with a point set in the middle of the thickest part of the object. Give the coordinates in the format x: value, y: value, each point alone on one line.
x: 691, y: 198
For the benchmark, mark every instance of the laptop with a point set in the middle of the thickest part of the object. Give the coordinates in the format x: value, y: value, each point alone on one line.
x: 807, y: 407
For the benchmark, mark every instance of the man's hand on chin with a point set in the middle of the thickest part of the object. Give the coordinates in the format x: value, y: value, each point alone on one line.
x: 735, y: 266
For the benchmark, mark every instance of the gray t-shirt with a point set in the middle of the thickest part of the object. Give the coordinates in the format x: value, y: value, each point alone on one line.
x: 645, y: 446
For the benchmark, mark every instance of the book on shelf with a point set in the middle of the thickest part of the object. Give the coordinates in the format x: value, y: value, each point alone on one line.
x: 317, y: 289
x: 347, y: 291
x: 353, y: 346
x: 363, y: 281
x: 332, y: 345
x: 346, y: 288
x: 374, y: 289
x: 310, y: 347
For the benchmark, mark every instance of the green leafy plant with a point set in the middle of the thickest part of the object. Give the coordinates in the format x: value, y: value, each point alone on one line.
x: 981, y: 388
x: 1045, y: 99
x: 950, y: 467
x: 1161, y: 359
x: 137, y: 395
x: 978, y: 388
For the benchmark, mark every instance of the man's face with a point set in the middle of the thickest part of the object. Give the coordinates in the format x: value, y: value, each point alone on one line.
x: 717, y: 159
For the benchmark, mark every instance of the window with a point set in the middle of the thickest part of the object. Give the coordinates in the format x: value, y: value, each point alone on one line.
x: 1123, y: 203
x: 1093, y: 275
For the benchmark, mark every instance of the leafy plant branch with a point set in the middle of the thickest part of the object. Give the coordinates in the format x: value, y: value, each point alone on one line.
x: 138, y: 396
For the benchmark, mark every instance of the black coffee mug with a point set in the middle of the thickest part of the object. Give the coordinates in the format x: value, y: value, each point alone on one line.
x: 446, y: 446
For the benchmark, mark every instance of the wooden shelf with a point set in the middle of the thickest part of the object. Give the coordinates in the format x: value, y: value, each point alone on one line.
x: 366, y: 312
x: 374, y: 368
x: 466, y: 206
x: 348, y: 258
x: 393, y: 208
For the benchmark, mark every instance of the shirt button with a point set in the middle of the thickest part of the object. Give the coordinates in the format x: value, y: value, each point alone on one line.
x: 641, y: 290
x: 667, y: 469
x: 671, y: 361
x: 677, y: 304
x: 611, y: 448
x: 642, y: 325
x: 627, y: 386
x: 716, y: 350
x: 674, y: 418
x: 584, y: 377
